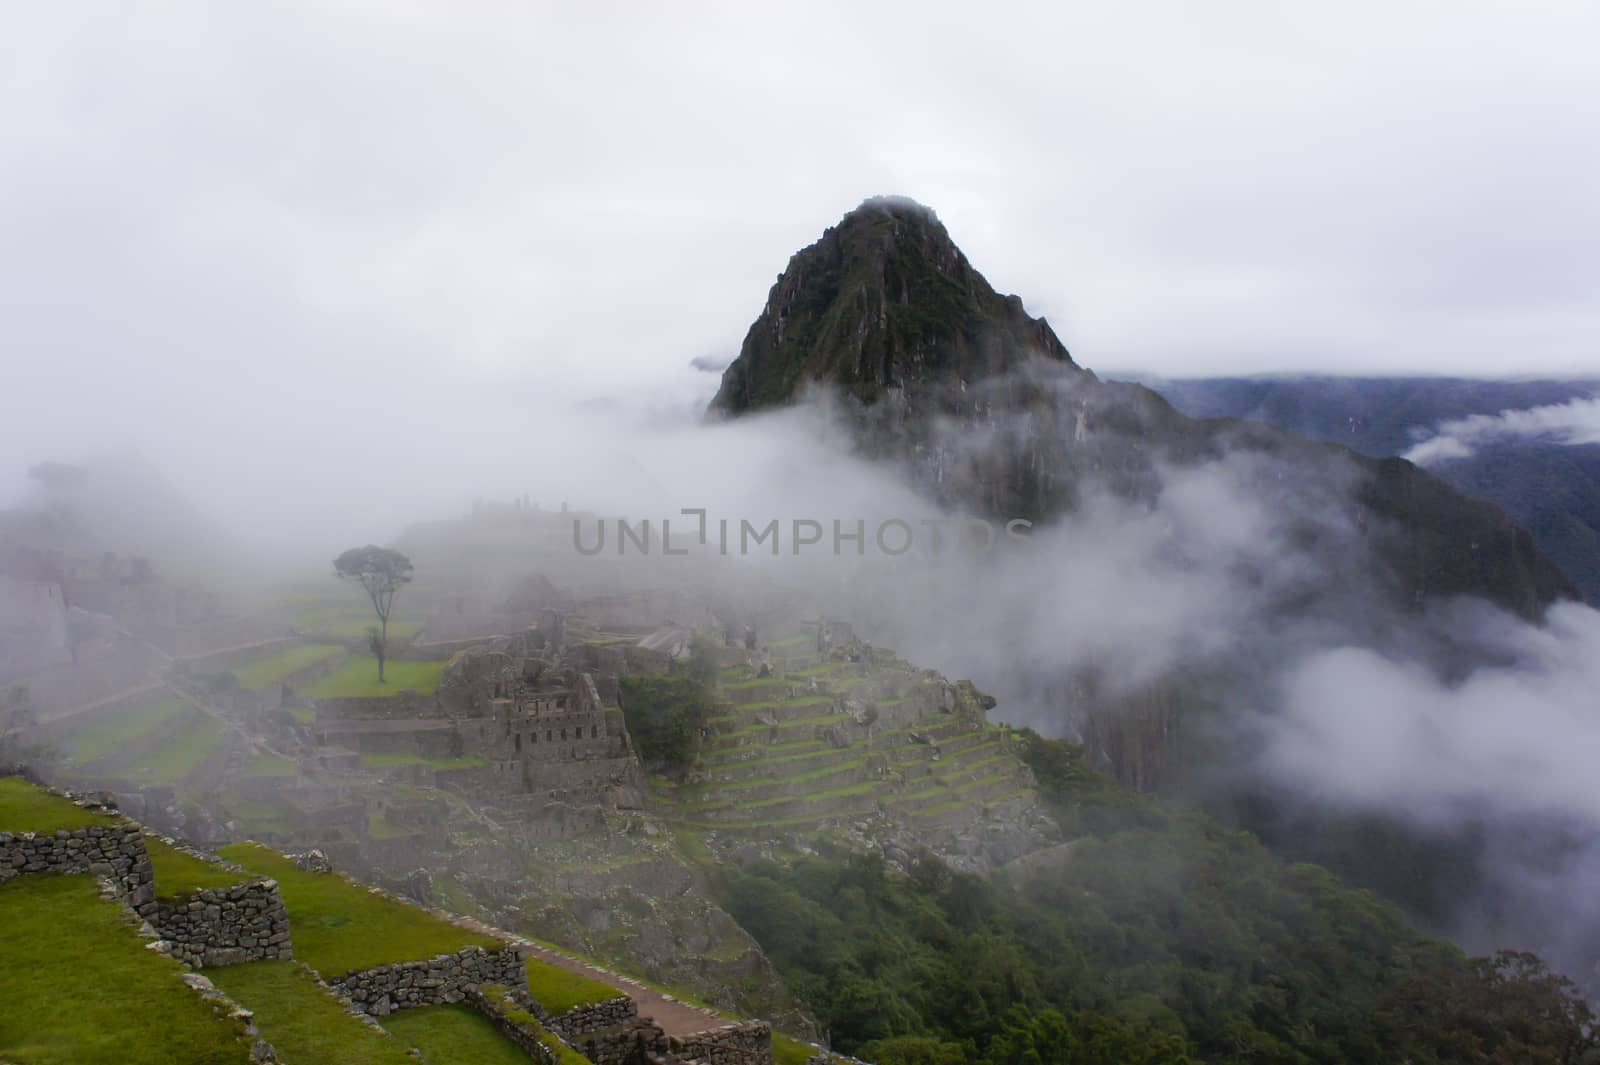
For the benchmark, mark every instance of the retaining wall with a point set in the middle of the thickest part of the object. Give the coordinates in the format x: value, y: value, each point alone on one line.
x: 225, y: 926
x: 447, y: 978
x: 116, y: 851
x: 741, y: 1043
x: 594, y: 1017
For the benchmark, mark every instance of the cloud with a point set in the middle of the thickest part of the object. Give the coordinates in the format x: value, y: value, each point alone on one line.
x: 1504, y: 756
x: 710, y: 363
x: 1361, y: 728
x: 1574, y: 422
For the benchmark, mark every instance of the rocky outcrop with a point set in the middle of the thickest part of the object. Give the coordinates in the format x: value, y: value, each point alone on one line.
x: 884, y: 300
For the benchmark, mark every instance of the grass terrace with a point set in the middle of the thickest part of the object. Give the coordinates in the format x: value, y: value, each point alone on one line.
x: 454, y: 1035
x: 26, y: 808
x: 271, y: 765
x: 358, y: 679
x: 385, y: 761
x: 105, y: 738
x: 79, y: 987
x: 559, y: 990
x: 303, y: 1021
x: 285, y: 663
x: 179, y: 874
x: 188, y: 752
x: 341, y: 926
x: 564, y: 1055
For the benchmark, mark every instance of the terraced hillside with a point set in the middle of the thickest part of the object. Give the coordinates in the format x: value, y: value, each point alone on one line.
x: 852, y: 737
x: 80, y: 985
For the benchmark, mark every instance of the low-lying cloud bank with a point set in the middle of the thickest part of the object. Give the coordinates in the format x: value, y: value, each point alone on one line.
x: 1508, y: 754
x: 1574, y: 422
x: 1358, y: 727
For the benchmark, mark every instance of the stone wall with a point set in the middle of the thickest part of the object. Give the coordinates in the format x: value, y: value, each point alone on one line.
x: 448, y: 978
x: 594, y: 1017
x: 115, y: 850
x: 225, y: 926
x: 742, y: 1043
x: 629, y: 1044
x: 516, y: 1023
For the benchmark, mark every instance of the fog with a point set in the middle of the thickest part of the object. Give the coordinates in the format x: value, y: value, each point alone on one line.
x: 291, y: 281
x: 1574, y: 422
x: 1508, y: 746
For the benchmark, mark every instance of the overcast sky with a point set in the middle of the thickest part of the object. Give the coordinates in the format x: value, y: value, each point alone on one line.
x: 226, y: 230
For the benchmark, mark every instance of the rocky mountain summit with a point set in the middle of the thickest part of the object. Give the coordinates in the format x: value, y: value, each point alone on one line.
x: 883, y: 301
x: 933, y: 369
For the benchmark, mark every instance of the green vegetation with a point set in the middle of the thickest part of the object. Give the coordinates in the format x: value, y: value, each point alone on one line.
x: 187, y: 752
x: 559, y: 990
x: 341, y: 926
x: 105, y: 738
x: 500, y: 999
x: 380, y: 827
x: 454, y: 1035
x: 384, y: 761
x: 1154, y: 937
x: 787, y: 1050
x: 178, y: 874
x: 357, y: 679
x: 271, y: 765
x: 26, y: 808
x: 302, y: 1020
x: 667, y: 713
x: 79, y: 987
x: 284, y: 664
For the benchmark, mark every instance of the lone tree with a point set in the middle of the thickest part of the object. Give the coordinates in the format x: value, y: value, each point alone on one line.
x: 381, y: 571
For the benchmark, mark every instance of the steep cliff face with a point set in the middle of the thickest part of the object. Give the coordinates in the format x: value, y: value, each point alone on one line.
x: 883, y: 301
x: 989, y: 413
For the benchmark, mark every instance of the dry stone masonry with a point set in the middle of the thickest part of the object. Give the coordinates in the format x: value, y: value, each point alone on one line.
x: 741, y: 1043
x: 114, y: 851
x: 447, y: 978
x: 594, y: 1017
x: 225, y: 926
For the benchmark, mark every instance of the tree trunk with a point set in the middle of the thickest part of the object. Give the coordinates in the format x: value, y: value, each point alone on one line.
x: 383, y: 647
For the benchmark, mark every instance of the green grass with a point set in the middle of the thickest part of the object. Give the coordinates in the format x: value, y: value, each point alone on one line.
x: 559, y: 990
x: 180, y: 874
x: 499, y: 998
x: 358, y: 679
x: 25, y: 808
x: 187, y: 753
x: 79, y: 987
x: 380, y: 827
x: 340, y: 927
x: 384, y: 761
x: 286, y: 663
x: 271, y: 765
x: 304, y: 1022
x: 453, y: 1035
x: 787, y: 1050
x: 105, y: 738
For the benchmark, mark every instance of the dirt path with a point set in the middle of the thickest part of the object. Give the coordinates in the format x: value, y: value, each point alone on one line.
x: 675, y: 1016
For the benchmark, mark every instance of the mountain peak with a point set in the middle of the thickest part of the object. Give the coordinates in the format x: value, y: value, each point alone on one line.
x: 883, y: 300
